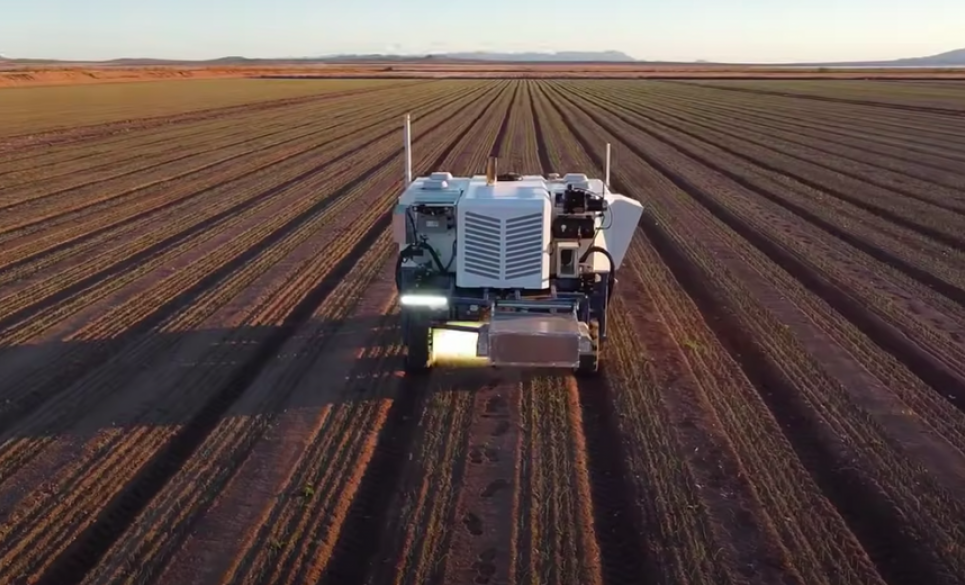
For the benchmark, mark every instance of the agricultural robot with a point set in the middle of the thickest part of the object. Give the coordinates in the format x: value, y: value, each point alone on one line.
x: 508, y: 270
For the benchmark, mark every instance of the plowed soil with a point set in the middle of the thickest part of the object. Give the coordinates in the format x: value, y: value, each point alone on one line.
x: 200, y: 365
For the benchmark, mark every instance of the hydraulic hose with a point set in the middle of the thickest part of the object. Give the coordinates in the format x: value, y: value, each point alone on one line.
x: 611, y: 276
x: 408, y: 252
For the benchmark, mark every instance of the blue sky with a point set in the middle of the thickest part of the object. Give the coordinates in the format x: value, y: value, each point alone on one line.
x: 734, y: 30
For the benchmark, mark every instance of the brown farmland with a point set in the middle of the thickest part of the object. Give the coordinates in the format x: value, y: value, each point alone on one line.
x: 32, y: 74
x: 200, y: 369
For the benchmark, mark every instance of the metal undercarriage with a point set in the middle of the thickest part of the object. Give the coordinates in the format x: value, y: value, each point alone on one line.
x: 556, y: 330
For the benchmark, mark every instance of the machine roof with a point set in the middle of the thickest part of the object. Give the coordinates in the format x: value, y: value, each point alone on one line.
x: 527, y: 188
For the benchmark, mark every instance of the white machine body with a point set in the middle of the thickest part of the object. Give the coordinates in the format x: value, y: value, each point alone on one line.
x: 516, y: 270
x: 502, y: 230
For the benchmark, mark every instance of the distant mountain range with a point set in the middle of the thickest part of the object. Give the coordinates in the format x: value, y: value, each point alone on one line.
x: 478, y: 56
x: 525, y: 57
x: 950, y: 58
x: 954, y: 58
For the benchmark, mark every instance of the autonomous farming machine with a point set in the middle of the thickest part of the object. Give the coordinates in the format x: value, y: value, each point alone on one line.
x: 508, y: 270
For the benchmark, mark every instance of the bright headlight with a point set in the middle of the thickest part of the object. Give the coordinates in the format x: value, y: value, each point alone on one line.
x: 431, y: 301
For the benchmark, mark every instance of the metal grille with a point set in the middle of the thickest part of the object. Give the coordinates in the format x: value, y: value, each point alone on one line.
x: 499, y: 250
x: 524, y: 246
x: 481, y: 245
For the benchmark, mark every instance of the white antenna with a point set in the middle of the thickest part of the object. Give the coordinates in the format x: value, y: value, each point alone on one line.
x: 408, y: 151
x: 606, y: 170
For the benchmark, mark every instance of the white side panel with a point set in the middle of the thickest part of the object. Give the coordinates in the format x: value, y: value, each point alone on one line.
x: 622, y: 218
x: 438, y: 189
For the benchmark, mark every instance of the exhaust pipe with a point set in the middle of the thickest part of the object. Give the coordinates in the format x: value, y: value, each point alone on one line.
x: 491, y: 171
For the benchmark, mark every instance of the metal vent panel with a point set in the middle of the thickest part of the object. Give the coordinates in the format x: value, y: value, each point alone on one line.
x: 482, y: 245
x: 523, y: 238
x: 503, y: 251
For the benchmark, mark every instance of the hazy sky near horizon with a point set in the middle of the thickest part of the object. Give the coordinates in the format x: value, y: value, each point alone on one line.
x: 679, y: 30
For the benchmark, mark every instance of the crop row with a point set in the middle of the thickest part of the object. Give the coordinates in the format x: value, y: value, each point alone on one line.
x: 43, y: 110
x: 737, y: 262
x: 218, y: 376
x: 195, y: 296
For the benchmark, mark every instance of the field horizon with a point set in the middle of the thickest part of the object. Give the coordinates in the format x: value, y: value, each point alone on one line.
x: 35, y: 75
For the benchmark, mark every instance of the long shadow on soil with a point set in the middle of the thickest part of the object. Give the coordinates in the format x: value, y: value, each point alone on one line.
x: 79, y: 388
x: 196, y: 379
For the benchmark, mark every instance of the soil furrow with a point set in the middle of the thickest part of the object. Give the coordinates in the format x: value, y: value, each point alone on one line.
x: 381, y: 210
x: 213, y: 192
x: 85, y: 156
x: 93, y: 191
x: 87, y: 548
x: 949, y: 112
x: 932, y: 146
x: 275, y: 421
x: 637, y: 543
x: 74, y: 134
x: 295, y: 142
x: 929, y: 352
x: 850, y: 487
x: 90, y: 274
x: 432, y: 522
x: 110, y: 157
x: 151, y: 315
x: 201, y: 375
x: 919, y: 257
x: 353, y: 239
x: 856, y: 162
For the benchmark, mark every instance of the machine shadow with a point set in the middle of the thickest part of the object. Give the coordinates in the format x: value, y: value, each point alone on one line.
x: 152, y: 379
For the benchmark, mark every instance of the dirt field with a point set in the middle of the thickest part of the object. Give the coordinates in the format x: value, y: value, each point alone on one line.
x: 20, y: 75
x: 200, y: 370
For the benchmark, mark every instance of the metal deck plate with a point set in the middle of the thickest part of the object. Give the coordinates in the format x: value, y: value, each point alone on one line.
x: 534, y: 340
